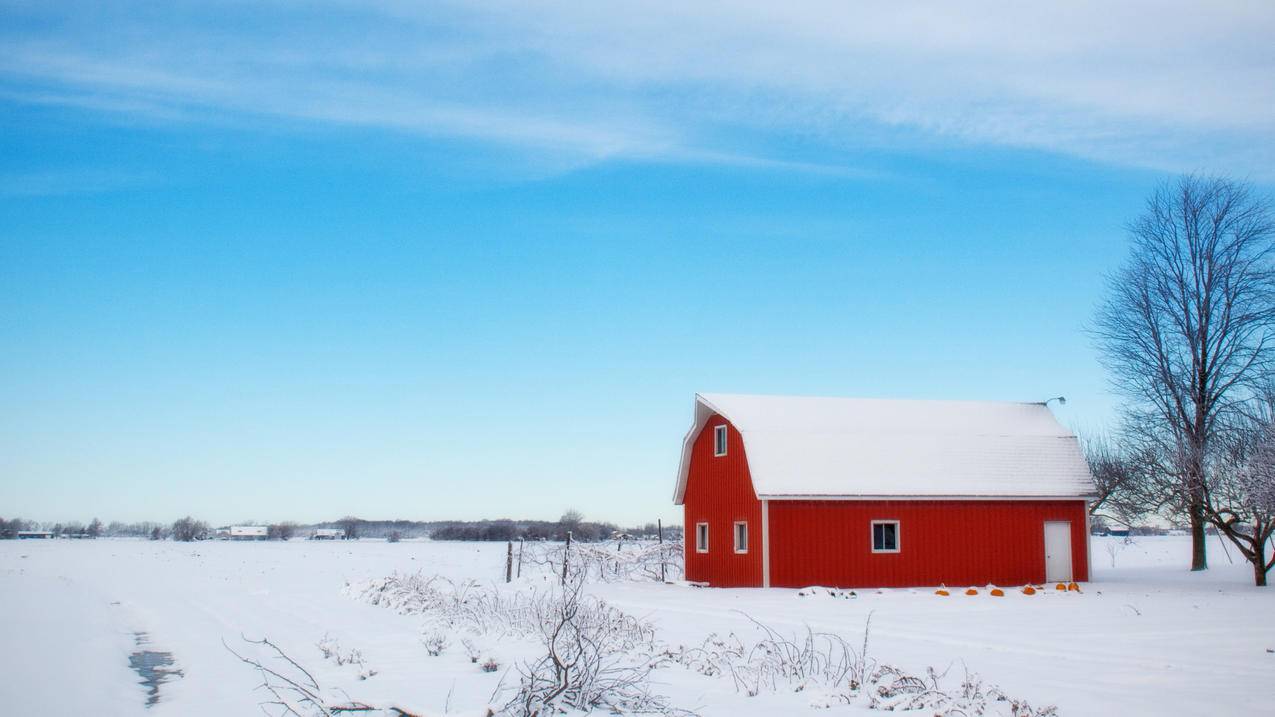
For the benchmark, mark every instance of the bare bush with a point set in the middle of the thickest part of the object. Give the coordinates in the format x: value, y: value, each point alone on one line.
x: 1115, y: 547
x: 293, y: 691
x: 330, y: 648
x: 593, y: 660
x: 435, y: 641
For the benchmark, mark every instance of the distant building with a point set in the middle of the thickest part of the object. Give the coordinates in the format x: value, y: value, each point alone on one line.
x: 249, y: 532
x: 328, y: 534
x: 34, y: 535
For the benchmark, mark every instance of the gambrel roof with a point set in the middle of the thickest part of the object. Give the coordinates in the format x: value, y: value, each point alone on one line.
x: 801, y: 447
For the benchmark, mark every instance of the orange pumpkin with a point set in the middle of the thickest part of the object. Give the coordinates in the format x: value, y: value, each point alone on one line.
x: 1073, y: 587
x: 942, y: 592
x: 1029, y: 590
x: 971, y: 591
x: 997, y: 592
x: 1061, y: 587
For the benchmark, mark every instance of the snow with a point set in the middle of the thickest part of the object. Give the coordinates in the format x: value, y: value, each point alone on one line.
x: 813, y: 447
x: 1146, y: 638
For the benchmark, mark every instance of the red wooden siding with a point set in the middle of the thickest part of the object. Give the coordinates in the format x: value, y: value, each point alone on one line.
x: 719, y: 491
x: 959, y: 543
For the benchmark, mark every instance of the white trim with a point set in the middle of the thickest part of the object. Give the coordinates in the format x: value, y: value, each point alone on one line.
x: 1088, y: 547
x: 898, y: 537
x: 765, y: 543
x: 771, y: 496
x: 722, y: 430
x: 734, y: 534
x: 703, y: 411
x: 701, y: 547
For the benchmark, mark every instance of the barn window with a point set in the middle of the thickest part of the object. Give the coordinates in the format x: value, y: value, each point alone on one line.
x: 885, y: 536
x: 719, y: 440
x: 741, y: 537
x: 701, y: 537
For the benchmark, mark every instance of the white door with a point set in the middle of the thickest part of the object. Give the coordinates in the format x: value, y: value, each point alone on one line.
x: 1057, y: 551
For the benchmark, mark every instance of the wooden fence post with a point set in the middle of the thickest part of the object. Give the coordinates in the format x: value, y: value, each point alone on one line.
x: 509, y: 562
x: 520, y: 547
x: 566, y: 558
x: 659, y: 528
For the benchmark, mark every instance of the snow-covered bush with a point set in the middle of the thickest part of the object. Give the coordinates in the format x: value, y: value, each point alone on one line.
x: 435, y: 641
x: 330, y: 648
x: 833, y: 671
x: 610, y: 562
x: 596, y: 657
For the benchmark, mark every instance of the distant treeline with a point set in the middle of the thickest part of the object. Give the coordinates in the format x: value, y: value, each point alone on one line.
x: 188, y: 528
x: 497, y: 530
x: 540, y: 530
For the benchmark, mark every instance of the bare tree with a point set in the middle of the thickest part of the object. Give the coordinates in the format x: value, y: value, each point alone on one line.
x: 1241, y: 492
x: 571, y: 520
x: 95, y: 529
x: 350, y: 525
x: 188, y: 529
x: 1119, y: 471
x: 1185, y: 327
x: 281, y: 531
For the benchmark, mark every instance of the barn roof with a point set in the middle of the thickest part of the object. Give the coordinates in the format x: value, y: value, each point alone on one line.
x: 801, y: 447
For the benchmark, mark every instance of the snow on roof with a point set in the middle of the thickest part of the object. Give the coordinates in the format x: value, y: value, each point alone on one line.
x: 807, y: 447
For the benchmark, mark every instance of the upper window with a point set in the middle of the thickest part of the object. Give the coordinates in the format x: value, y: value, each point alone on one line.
x: 701, y: 537
x: 741, y: 537
x: 885, y: 536
x: 719, y: 440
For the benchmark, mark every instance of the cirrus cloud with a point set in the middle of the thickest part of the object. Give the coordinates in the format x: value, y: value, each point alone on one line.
x: 1164, y: 85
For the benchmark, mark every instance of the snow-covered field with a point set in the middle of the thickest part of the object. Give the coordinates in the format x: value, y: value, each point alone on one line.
x: 1145, y: 638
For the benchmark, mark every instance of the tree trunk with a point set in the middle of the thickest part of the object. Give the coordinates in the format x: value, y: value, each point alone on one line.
x: 1259, y: 570
x: 1199, y: 557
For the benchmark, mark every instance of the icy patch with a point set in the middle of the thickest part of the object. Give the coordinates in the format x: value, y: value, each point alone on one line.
x: 154, y: 667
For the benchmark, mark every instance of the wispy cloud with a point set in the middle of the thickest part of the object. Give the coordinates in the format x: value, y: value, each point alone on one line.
x: 1176, y: 85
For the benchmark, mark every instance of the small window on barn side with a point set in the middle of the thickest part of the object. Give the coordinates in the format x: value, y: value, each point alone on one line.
x: 719, y: 441
x: 701, y: 537
x: 741, y: 537
x: 885, y: 536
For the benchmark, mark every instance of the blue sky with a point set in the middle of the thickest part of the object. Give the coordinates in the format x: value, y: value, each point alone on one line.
x: 291, y: 261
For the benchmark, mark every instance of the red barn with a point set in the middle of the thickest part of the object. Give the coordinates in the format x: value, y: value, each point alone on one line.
x: 795, y: 491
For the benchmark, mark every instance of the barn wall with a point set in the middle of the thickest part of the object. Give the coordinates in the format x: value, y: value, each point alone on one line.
x: 719, y: 490
x: 959, y: 543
